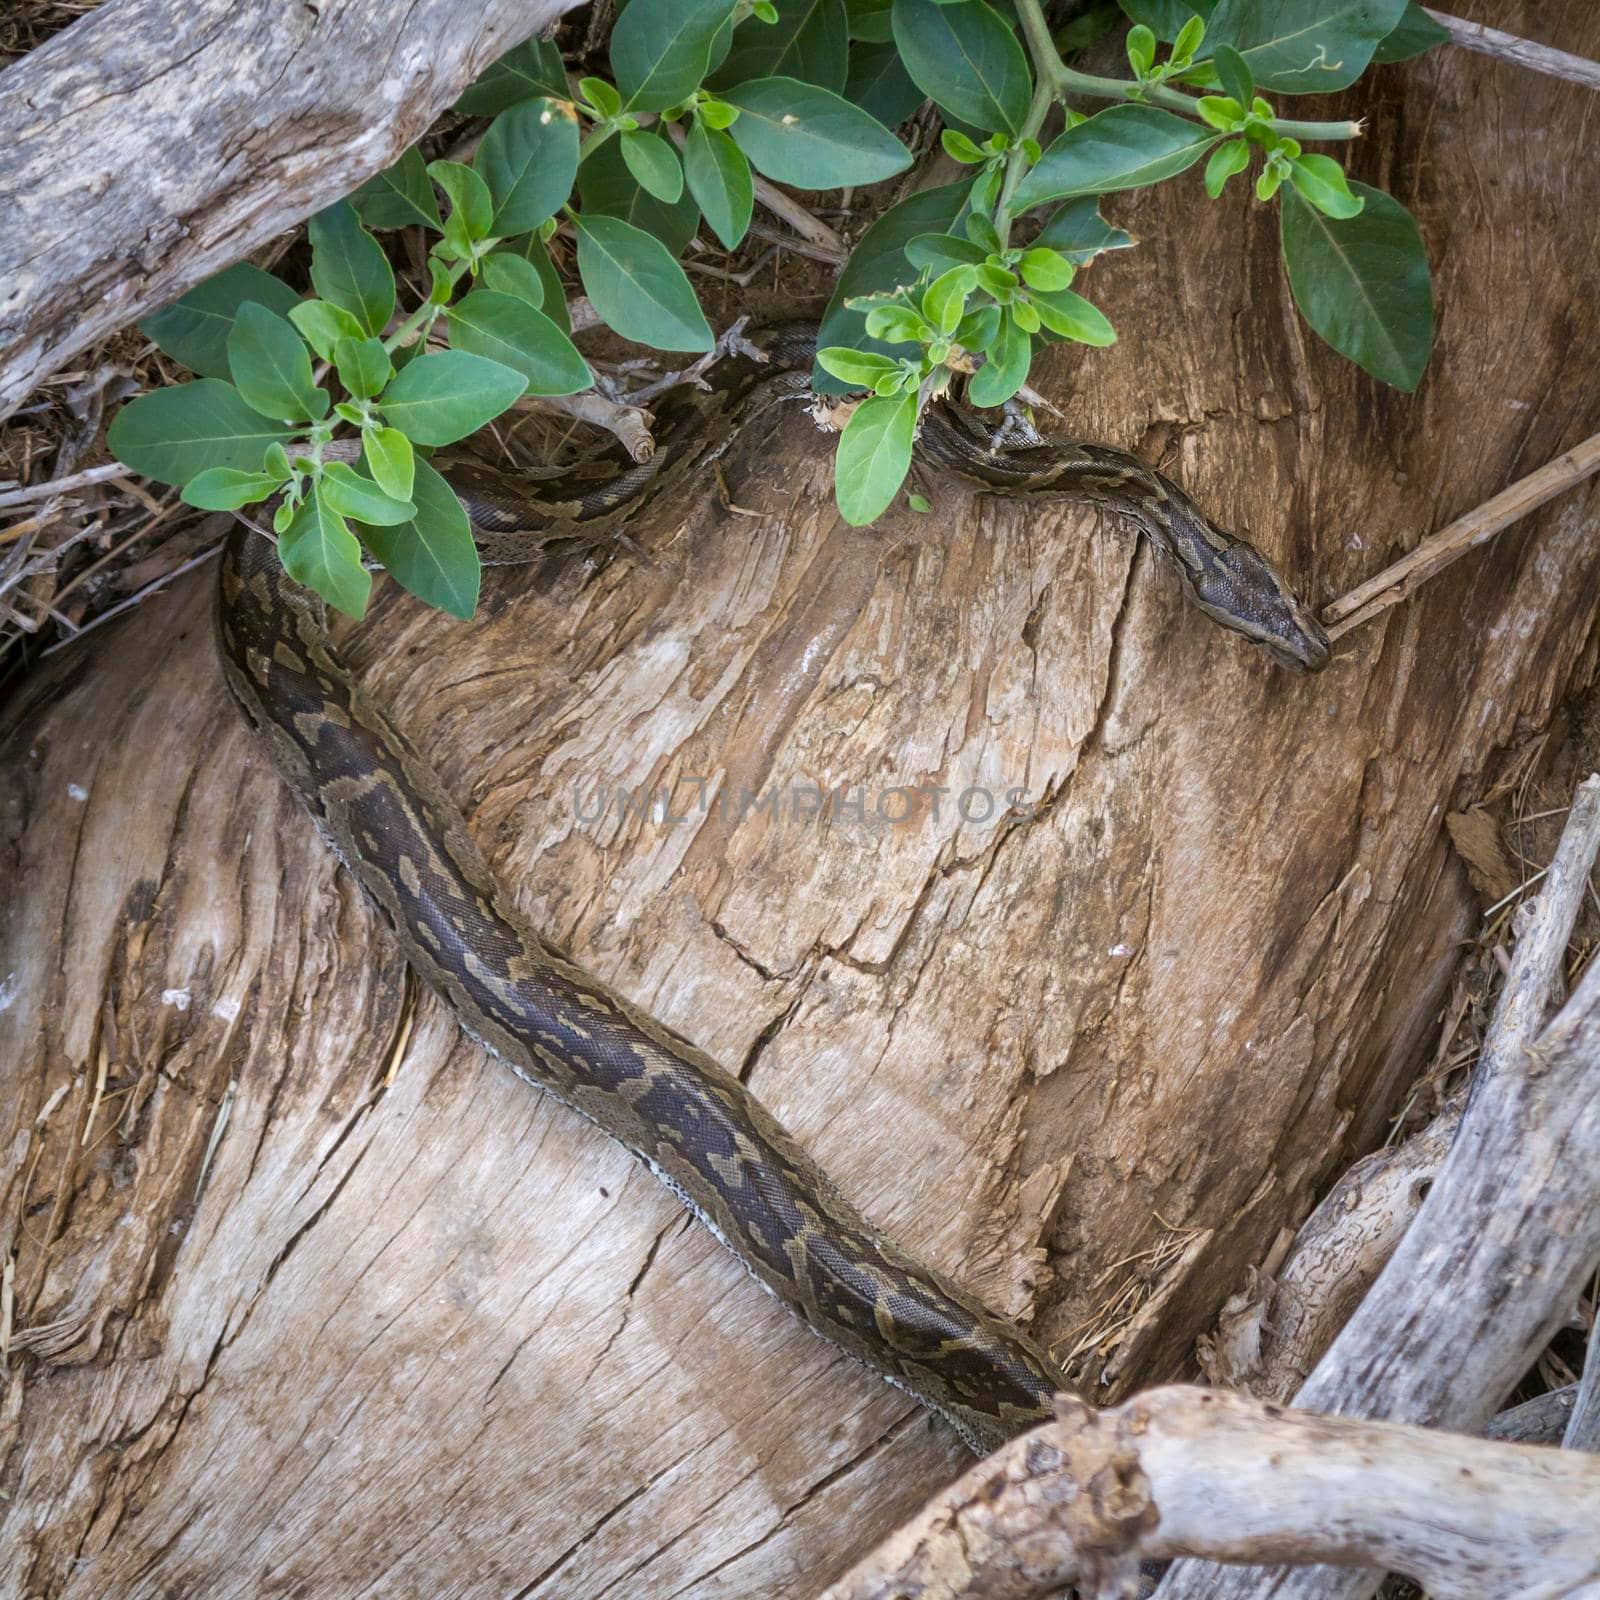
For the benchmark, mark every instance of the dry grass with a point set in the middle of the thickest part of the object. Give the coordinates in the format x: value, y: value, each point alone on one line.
x: 26, y: 24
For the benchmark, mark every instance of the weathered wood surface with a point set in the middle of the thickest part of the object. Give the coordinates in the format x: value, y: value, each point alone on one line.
x: 440, y: 1337
x: 156, y: 141
x: 1083, y: 1500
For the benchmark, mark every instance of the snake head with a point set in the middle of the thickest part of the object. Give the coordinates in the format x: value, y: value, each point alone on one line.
x: 1237, y: 588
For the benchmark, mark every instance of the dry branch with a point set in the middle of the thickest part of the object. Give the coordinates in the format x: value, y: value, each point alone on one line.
x: 1345, y: 1243
x: 1181, y: 1470
x: 1520, y: 52
x: 1339, y: 1252
x: 1503, y: 1242
x: 1402, y: 579
x: 1583, y: 1431
x: 156, y: 141
x: 1541, y: 1420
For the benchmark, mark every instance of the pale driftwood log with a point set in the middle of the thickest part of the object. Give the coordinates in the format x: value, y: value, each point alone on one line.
x: 1542, y: 1420
x: 1583, y: 1431
x: 1346, y: 1242
x: 424, y: 1333
x: 1186, y: 1471
x: 1491, y: 1267
x: 156, y: 141
x: 1338, y: 1254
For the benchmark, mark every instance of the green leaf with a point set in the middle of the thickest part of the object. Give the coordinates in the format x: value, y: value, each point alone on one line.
x: 1221, y: 112
x: 978, y: 329
x: 871, y: 20
x: 1080, y: 232
x: 1022, y: 313
x: 195, y: 329
x: 1006, y: 369
x: 364, y: 366
x: 965, y: 58
x: 1043, y: 268
x: 1188, y: 41
x: 898, y: 324
x: 661, y: 49
x: 507, y: 329
x: 349, y: 268
x: 654, y: 165
x: 514, y: 274
x: 1141, y: 47
x: 1167, y: 17
x: 432, y: 555
x: 858, y: 368
x: 878, y: 263
x: 1226, y: 159
x: 471, y: 205
x: 1070, y: 316
x: 227, y: 489
x: 880, y: 85
x: 440, y: 398
x: 960, y: 148
x: 323, y: 324
x: 607, y: 188
x: 940, y: 250
x: 400, y: 196
x: 874, y: 456
x: 529, y: 159
x: 1363, y: 283
x: 1320, y: 181
x: 716, y: 114
x: 598, y: 93
x: 638, y: 288
x: 533, y: 68
x: 390, y: 459
x: 271, y: 367
x: 1233, y: 72
x: 1415, y: 32
x: 797, y: 133
x: 720, y: 181
x: 531, y: 251
x: 808, y: 42
x: 318, y: 550
x: 981, y: 230
x: 1305, y: 46
x: 944, y: 301
x: 351, y: 495
x: 1124, y: 147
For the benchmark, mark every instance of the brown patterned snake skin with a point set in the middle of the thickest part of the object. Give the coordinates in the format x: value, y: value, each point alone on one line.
x: 386, y: 814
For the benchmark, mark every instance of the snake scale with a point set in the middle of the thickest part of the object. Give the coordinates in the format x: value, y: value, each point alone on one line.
x: 385, y: 812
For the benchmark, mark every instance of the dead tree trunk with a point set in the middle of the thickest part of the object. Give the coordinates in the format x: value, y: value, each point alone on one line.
x: 314, y: 1298
x: 159, y: 140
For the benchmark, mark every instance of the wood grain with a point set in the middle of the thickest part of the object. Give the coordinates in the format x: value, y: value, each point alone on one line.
x: 156, y: 141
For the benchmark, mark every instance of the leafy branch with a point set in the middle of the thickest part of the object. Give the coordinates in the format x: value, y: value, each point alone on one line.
x: 330, y: 402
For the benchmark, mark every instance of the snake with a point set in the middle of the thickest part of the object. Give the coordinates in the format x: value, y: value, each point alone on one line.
x: 386, y: 814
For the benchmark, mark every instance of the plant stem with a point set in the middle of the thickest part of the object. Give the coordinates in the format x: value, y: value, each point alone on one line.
x: 426, y: 312
x: 1063, y: 80
x: 1016, y: 163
